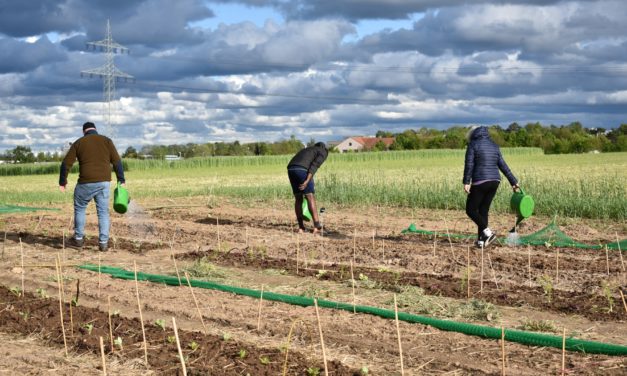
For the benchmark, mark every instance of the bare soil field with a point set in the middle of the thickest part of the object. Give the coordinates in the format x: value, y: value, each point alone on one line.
x: 361, y: 258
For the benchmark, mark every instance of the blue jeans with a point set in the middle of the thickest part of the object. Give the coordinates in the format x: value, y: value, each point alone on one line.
x: 83, y: 194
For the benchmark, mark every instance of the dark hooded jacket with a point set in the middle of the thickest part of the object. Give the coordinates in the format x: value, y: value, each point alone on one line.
x: 310, y: 158
x: 484, y: 159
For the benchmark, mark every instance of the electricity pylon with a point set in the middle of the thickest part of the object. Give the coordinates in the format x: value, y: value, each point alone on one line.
x: 108, y: 72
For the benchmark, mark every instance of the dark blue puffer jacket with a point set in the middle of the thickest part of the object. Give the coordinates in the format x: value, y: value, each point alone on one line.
x: 484, y: 159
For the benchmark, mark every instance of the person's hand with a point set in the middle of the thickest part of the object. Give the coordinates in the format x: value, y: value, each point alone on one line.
x: 62, y: 188
x: 304, y: 185
x: 516, y: 187
x: 123, y: 185
x: 467, y: 188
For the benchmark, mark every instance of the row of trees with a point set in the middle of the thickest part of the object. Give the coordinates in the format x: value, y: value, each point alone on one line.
x: 572, y: 138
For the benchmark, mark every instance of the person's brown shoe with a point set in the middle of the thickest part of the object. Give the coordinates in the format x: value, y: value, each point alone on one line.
x: 76, y: 243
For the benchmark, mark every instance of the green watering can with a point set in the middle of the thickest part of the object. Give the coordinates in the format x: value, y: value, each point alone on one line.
x: 306, y: 213
x: 120, y: 199
x: 522, y: 204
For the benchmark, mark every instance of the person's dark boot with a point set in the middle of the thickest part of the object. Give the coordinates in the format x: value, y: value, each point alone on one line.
x: 103, y: 247
x: 76, y: 243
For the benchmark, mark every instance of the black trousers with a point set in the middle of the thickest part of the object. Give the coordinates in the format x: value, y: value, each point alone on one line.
x: 478, y: 204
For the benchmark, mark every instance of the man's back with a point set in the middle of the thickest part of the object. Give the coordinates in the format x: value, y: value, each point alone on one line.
x: 95, y: 154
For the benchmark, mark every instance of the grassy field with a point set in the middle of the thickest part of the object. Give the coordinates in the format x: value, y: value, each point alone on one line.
x: 572, y: 185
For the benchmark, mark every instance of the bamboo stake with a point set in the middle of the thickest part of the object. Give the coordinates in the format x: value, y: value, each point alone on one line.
x: 196, y: 302
x: 481, y: 282
x: 69, y: 225
x: 623, y: 299
x: 218, y: 229
x: 259, y: 313
x: 502, y: 351
x: 563, y: 372
x: 99, y: 273
x: 62, y: 281
x: 61, y: 304
x: 297, y: 251
x: 110, y: 326
x: 529, y: 264
x: 22, y: 257
x: 178, y: 346
x: 353, y: 284
x: 324, y: 353
x: 620, y: 253
x: 398, y: 334
x: 449, y: 241
x: 557, y: 265
x: 102, y: 354
x: 141, y: 318
x: 468, y: 272
x: 607, y: 260
x: 63, y: 246
x: 178, y: 275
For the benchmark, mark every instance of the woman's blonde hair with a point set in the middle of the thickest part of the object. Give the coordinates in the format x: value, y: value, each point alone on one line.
x: 470, y: 130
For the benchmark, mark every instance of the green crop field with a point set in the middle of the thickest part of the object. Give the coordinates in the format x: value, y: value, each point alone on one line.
x: 572, y: 185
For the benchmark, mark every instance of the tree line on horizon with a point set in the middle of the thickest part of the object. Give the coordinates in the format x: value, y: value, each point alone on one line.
x: 571, y: 138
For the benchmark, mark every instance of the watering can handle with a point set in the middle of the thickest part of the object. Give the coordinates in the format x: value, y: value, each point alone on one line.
x: 521, y: 190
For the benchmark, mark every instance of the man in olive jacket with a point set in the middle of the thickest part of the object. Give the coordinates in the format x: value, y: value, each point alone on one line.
x: 95, y: 154
x: 301, y: 170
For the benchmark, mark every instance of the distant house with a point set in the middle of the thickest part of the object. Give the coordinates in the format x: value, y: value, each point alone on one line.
x: 172, y: 157
x: 363, y: 143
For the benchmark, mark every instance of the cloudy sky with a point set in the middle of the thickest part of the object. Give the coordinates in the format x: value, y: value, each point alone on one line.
x: 262, y: 70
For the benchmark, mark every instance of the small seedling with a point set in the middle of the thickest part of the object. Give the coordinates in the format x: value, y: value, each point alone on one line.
x: 171, y: 339
x: 74, y: 302
x: 607, y: 292
x: 538, y: 326
x: 243, y: 354
x: 115, y: 313
x: 226, y: 336
x: 16, y: 291
x: 264, y: 360
x: 89, y: 328
x: 321, y: 273
x: 193, y: 345
x: 25, y: 315
x: 313, y: 371
x: 118, y: 342
x: 363, y: 371
x: 547, y: 285
x: 42, y: 293
x: 160, y: 323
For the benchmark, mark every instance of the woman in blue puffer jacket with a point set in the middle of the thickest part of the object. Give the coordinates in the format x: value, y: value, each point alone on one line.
x: 482, y: 178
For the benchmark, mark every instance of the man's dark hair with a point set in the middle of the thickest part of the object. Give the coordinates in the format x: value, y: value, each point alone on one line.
x: 88, y: 125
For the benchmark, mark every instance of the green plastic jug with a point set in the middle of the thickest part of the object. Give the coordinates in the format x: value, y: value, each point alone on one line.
x: 120, y: 199
x: 306, y: 213
x: 522, y: 204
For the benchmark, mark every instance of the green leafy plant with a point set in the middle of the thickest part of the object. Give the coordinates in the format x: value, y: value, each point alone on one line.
x: 363, y: 371
x: 74, y: 302
x: 193, y: 345
x: 321, y: 273
x: 89, y: 327
x: 243, y: 354
x: 264, y: 360
x: 171, y: 339
x: 115, y: 313
x: 226, y: 336
x: 25, y: 315
x: 42, y: 293
x: 538, y: 326
x: 118, y: 342
x: 607, y: 293
x: 546, y: 282
x: 313, y: 371
x: 16, y: 291
x: 160, y: 323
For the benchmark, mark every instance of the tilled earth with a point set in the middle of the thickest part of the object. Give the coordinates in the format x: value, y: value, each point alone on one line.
x: 255, y: 247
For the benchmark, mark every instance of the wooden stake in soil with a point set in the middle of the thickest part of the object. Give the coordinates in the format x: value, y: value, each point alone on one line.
x: 502, y: 351
x: 563, y: 369
x: 481, y: 278
x: 141, y: 318
x: 110, y: 326
x: 218, y: 230
x: 196, y: 302
x: 102, y: 354
x: 620, y: 253
x: 69, y: 225
x: 259, y: 313
x: 353, y: 284
x: 22, y: 257
x: 557, y: 265
x: 398, y: 334
x: 57, y: 261
x: 63, y: 245
x: 496, y: 283
x: 607, y: 260
x: 468, y: 272
x: 324, y: 353
x: 623, y: 299
x: 178, y: 346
